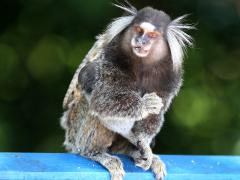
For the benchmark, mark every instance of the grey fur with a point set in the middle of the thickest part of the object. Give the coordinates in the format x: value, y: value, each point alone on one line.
x: 116, y: 101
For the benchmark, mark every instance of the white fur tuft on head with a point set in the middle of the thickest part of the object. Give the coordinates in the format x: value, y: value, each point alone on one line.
x: 128, y: 7
x: 178, y: 40
x: 119, y: 24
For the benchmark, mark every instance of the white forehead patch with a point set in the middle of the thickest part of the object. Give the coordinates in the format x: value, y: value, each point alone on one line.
x: 147, y: 26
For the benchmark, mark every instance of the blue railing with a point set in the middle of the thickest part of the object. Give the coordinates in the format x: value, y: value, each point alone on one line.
x: 69, y: 166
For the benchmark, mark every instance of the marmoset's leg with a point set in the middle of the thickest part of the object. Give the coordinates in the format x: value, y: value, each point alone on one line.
x: 140, y: 138
x: 72, y: 120
x: 112, y: 163
x: 140, y: 151
x: 142, y: 134
x: 93, y: 143
x: 157, y: 166
x: 85, y: 135
x: 123, y: 146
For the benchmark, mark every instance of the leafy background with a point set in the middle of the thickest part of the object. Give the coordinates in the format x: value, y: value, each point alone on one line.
x: 43, y: 41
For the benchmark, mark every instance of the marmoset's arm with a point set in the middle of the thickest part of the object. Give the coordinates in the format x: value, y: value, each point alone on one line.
x: 113, y: 98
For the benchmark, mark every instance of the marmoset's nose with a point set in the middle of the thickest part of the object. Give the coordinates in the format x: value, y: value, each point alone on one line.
x: 143, y: 40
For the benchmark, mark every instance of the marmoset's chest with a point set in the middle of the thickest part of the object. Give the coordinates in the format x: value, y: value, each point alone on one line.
x: 159, y: 78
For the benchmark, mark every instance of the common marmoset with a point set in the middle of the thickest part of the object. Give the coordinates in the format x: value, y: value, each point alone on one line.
x: 121, y: 90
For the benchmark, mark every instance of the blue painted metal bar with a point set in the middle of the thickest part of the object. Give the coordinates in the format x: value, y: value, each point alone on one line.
x: 73, y: 167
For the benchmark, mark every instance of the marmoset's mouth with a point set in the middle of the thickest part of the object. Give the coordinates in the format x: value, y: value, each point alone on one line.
x: 141, y: 51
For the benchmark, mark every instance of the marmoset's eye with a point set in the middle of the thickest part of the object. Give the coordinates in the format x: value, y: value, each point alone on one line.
x: 154, y: 34
x: 138, y: 29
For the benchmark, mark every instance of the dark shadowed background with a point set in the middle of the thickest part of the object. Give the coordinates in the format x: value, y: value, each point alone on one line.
x: 43, y: 41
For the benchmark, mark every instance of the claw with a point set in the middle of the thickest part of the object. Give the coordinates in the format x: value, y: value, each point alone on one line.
x: 144, y: 163
x: 159, y: 169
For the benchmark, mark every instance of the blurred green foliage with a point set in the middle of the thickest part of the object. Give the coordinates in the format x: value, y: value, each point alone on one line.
x: 43, y: 41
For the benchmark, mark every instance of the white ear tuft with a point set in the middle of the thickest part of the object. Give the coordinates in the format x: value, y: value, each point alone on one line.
x: 128, y: 7
x: 178, y: 40
x: 118, y: 24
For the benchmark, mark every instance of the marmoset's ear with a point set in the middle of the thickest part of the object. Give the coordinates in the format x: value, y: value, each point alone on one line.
x: 120, y: 23
x: 128, y: 8
x: 178, y: 40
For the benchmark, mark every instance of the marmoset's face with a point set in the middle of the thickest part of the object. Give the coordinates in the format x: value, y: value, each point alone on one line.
x: 144, y: 36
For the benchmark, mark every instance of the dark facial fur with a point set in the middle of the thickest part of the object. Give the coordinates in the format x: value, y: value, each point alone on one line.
x: 149, y: 22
